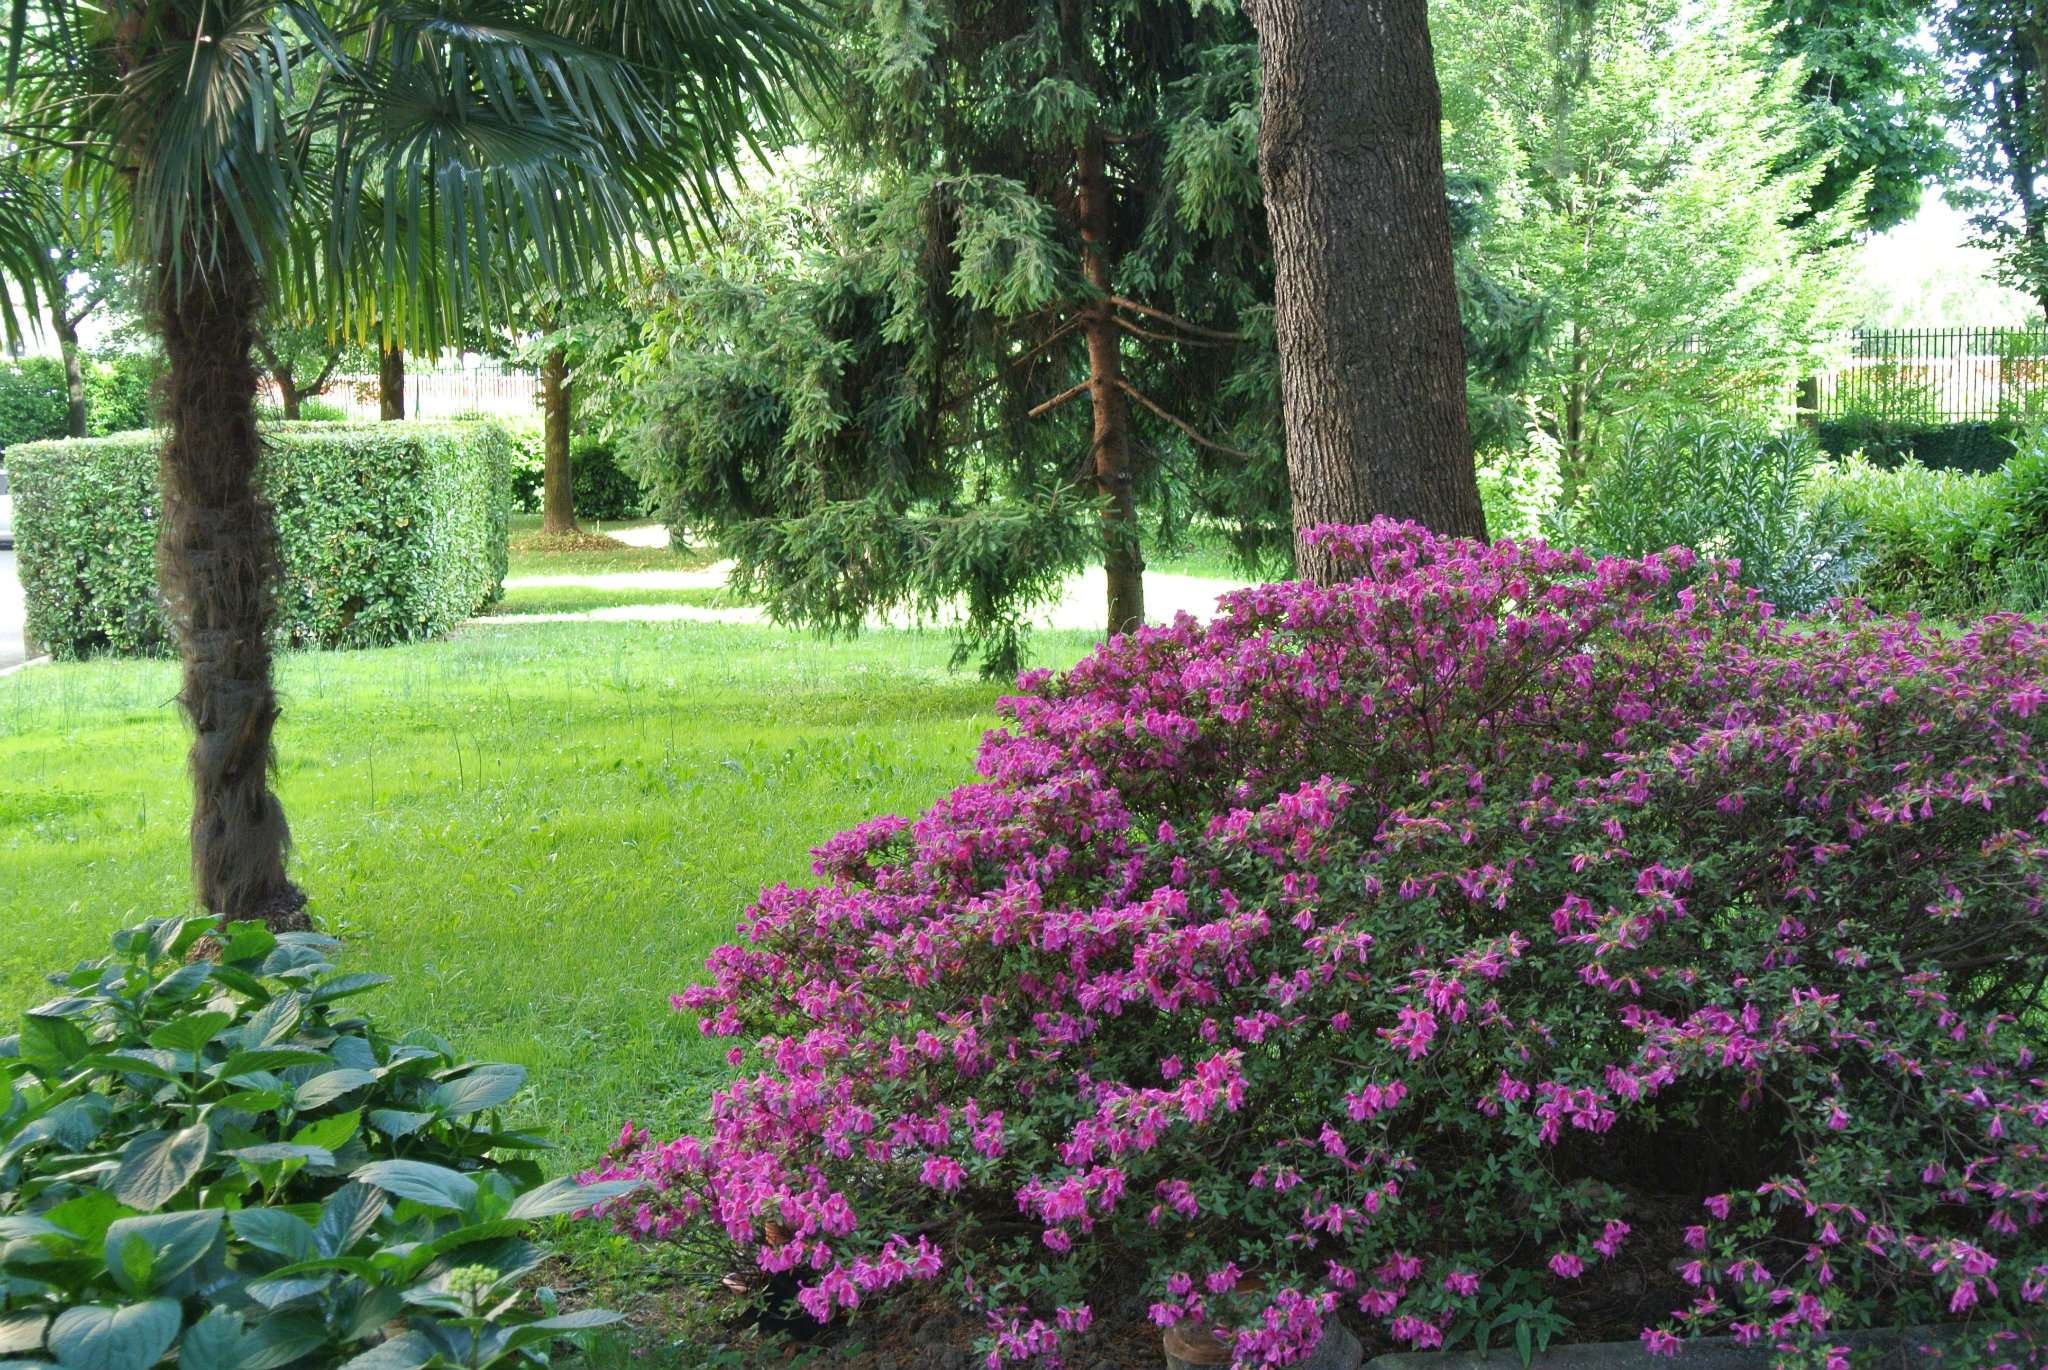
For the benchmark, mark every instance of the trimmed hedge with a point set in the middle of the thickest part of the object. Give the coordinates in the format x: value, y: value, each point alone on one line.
x: 389, y: 532
x: 1942, y: 447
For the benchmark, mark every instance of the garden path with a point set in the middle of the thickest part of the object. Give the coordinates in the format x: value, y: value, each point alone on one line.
x: 1080, y: 605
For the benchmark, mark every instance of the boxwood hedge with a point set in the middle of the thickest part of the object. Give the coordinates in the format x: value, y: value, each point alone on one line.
x: 389, y: 532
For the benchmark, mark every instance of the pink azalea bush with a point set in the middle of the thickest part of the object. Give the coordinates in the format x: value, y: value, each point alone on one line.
x: 1493, y: 915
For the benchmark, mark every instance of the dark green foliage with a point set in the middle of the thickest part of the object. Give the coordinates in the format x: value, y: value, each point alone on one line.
x: 1873, y: 91
x: 602, y: 488
x: 845, y: 392
x: 1992, y: 50
x: 120, y: 390
x: 389, y: 532
x: 32, y: 401
x: 218, y: 1158
x: 1942, y: 447
x: 1727, y: 490
x: 1952, y: 543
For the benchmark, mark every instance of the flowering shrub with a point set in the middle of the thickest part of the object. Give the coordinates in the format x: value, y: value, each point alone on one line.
x: 1493, y: 919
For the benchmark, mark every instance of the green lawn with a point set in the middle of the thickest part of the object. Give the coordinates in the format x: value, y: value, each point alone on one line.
x: 576, y: 599
x: 539, y: 830
x: 532, y: 555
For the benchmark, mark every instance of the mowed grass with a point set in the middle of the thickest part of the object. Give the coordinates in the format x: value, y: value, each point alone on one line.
x: 535, y: 554
x: 539, y: 830
x: 577, y: 599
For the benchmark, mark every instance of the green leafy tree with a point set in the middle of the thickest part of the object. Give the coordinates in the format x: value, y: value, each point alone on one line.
x: 1647, y: 193
x: 1022, y: 295
x: 1872, y: 90
x: 509, y: 142
x: 1997, y: 54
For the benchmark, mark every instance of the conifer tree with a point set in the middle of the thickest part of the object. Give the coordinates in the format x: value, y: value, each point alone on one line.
x: 1022, y: 295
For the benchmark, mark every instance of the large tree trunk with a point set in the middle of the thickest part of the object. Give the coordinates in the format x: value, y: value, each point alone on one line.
x: 1372, y: 363
x: 217, y: 556
x: 390, y: 383
x: 74, y: 373
x: 1122, y: 561
x: 558, y: 499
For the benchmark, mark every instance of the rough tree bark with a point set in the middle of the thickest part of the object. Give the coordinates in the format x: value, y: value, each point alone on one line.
x: 217, y: 559
x: 1372, y: 362
x: 390, y: 383
x: 558, y: 501
x: 74, y: 373
x: 1122, y: 560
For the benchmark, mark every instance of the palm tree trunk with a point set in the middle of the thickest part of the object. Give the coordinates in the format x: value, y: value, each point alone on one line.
x: 558, y: 486
x: 390, y: 383
x: 217, y: 557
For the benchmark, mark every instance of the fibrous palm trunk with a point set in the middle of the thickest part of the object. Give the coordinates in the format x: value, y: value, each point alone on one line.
x: 217, y: 559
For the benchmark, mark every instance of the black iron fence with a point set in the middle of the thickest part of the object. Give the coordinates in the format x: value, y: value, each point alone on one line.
x: 1934, y: 376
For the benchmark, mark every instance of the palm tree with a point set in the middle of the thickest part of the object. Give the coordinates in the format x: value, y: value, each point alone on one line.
x: 507, y: 143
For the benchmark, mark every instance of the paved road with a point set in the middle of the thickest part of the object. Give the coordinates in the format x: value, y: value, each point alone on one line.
x: 10, y: 613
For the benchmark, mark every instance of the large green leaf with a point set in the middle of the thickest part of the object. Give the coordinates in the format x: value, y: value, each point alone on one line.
x: 482, y: 1088
x: 406, y: 1351
x: 348, y: 1214
x: 157, y: 1165
x: 274, y: 1230
x: 131, y: 1338
x: 423, y: 1183
x: 190, y: 1031
x: 52, y: 1045
x: 215, y: 1342
x: 325, y: 1089
x: 565, y: 1195
x: 158, y: 1247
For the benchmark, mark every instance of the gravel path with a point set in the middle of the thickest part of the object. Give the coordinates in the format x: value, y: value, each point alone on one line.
x: 1081, y: 604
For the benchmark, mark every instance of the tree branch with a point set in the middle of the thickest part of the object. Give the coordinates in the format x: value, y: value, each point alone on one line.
x: 1135, y: 331
x: 1071, y: 392
x: 1182, y: 424
x: 1176, y: 320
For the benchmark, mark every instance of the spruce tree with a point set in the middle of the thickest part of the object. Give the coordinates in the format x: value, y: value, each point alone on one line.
x: 1021, y: 297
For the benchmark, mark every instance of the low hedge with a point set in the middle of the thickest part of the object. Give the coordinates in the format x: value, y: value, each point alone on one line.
x: 1941, y: 447
x: 389, y: 532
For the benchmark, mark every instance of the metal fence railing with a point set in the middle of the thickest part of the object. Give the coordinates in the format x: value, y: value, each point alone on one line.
x: 1935, y: 375
x: 438, y: 393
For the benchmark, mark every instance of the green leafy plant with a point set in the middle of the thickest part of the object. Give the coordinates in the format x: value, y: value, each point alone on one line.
x: 32, y: 401
x: 1517, y: 1308
x: 388, y: 533
x: 212, y: 1158
x: 1727, y: 490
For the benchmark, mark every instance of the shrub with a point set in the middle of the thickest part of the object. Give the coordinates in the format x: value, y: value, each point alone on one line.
x: 389, y: 532
x: 599, y: 486
x: 1496, y: 922
x: 214, y: 1156
x: 1950, y: 543
x: 1918, y: 530
x: 120, y: 392
x: 34, y: 404
x: 1976, y: 447
x: 1729, y: 491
